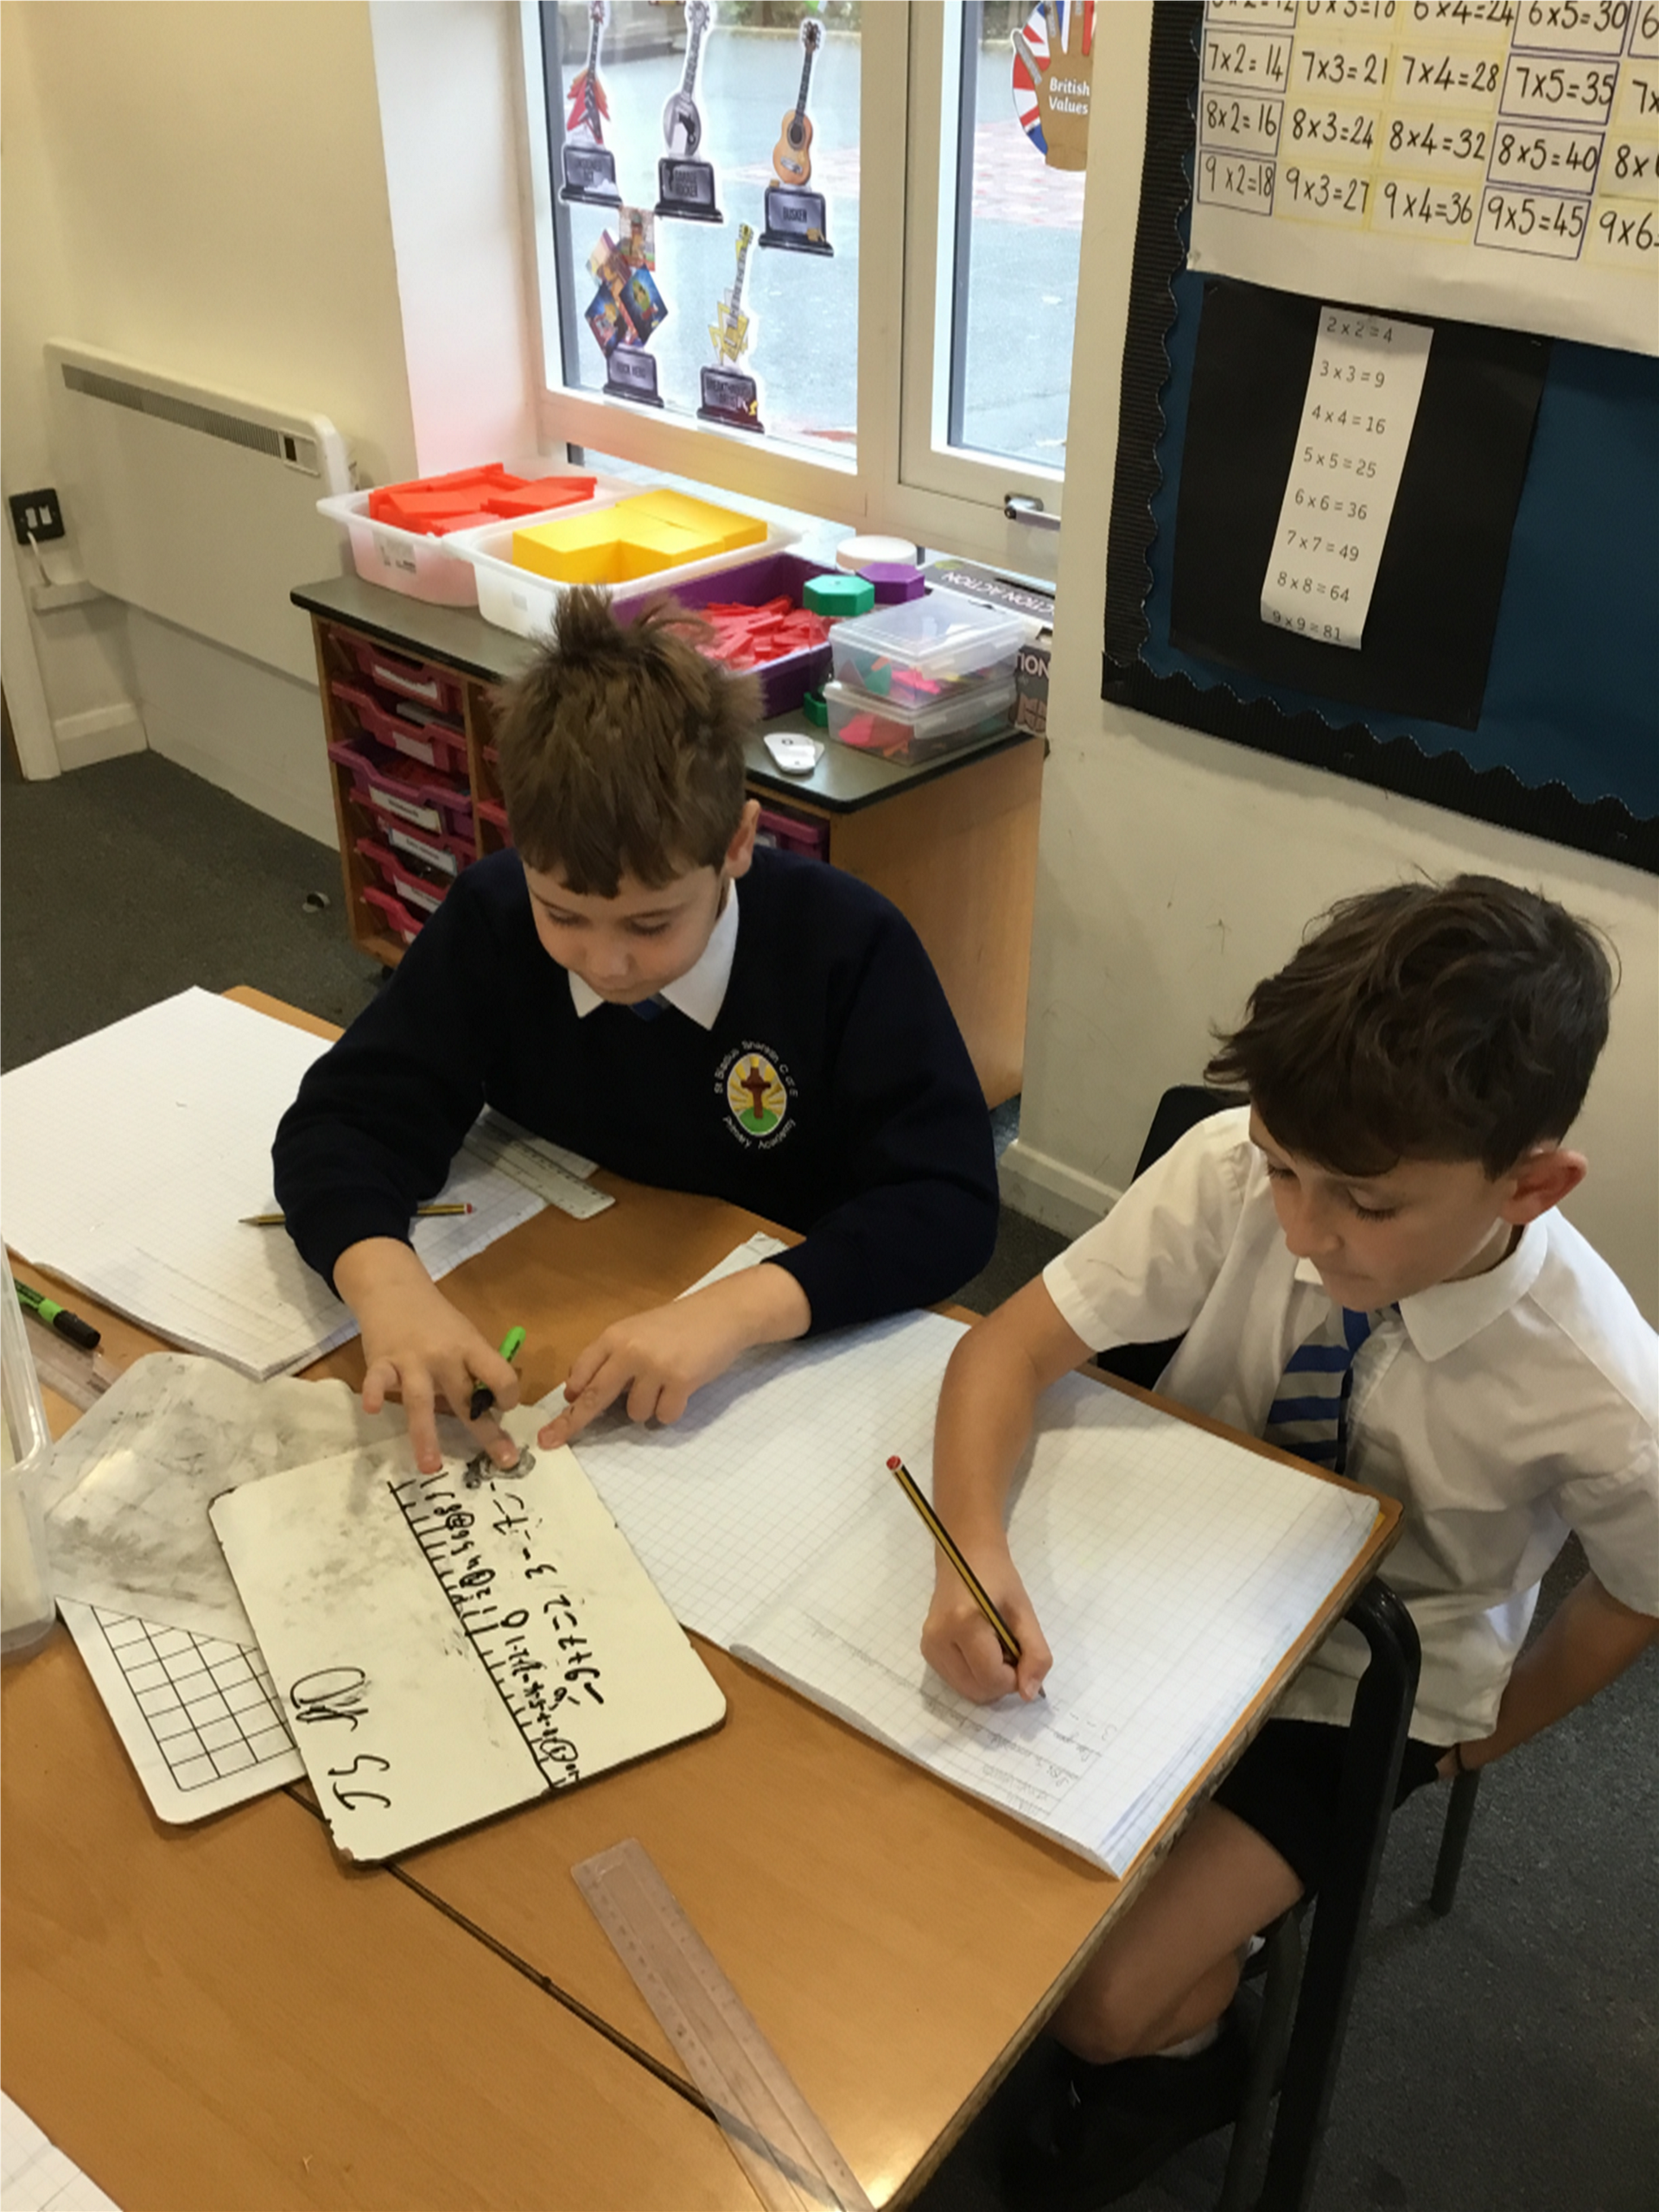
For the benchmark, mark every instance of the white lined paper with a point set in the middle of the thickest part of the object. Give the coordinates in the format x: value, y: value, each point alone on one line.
x: 131, y: 1155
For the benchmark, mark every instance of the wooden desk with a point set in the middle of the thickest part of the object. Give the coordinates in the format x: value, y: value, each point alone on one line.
x: 900, y: 1943
x: 952, y: 840
x: 217, y: 2020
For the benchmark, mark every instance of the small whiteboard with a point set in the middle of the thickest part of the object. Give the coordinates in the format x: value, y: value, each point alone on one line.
x: 445, y: 1650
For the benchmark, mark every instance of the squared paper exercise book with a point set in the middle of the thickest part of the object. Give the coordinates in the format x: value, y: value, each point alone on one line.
x: 132, y: 1154
x: 1173, y: 1571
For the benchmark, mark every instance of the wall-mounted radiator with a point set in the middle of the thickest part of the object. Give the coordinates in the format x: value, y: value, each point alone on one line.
x: 196, y: 506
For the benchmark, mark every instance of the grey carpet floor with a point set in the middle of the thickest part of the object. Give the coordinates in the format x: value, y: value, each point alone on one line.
x: 1503, y: 2059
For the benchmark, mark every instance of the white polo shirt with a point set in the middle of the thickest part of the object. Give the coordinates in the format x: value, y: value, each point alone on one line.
x: 1502, y: 1411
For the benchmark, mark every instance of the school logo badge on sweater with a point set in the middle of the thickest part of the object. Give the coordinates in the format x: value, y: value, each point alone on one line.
x: 758, y: 1095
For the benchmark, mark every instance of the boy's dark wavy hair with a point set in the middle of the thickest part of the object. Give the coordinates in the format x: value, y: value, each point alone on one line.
x: 1460, y: 1020
x: 621, y: 748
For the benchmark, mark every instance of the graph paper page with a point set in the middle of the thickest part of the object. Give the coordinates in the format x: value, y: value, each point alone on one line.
x: 132, y: 1154
x: 36, y: 2176
x: 1172, y: 1571
x: 769, y: 1465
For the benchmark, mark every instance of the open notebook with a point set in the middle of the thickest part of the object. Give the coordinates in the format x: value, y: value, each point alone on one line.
x: 1173, y: 1571
x: 132, y: 1154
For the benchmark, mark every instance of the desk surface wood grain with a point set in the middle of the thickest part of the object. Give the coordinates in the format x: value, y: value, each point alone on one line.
x: 220, y: 2017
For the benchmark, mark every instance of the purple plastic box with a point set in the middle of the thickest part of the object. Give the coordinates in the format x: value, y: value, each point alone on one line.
x: 784, y: 684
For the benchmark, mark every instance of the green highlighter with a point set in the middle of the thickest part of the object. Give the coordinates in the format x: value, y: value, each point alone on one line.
x: 483, y: 1398
x: 59, y: 1317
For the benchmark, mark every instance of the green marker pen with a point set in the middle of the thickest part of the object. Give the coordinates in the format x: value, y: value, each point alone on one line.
x: 60, y: 1317
x: 484, y: 1397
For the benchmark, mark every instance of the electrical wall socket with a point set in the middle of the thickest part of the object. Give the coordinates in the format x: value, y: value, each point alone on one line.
x: 36, y: 515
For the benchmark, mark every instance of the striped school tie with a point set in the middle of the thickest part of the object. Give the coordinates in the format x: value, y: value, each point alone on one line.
x: 648, y: 1009
x: 1310, y: 1415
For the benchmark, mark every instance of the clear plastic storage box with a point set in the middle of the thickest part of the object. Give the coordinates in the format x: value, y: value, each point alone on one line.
x: 895, y: 731
x: 26, y: 1608
x: 918, y: 652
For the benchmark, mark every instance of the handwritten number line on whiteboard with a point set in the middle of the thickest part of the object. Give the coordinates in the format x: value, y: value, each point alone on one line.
x: 557, y: 1776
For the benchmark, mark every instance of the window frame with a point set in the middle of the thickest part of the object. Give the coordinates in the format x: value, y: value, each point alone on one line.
x: 957, y: 506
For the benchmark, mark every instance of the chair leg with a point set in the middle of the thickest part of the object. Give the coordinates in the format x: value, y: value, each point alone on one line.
x: 1284, y: 1975
x: 1453, y: 1836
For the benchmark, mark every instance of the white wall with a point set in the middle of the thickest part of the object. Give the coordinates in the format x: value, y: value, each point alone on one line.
x: 1176, y: 869
x: 202, y: 187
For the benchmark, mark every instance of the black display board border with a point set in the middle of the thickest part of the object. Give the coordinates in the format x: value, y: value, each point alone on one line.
x: 1606, y: 826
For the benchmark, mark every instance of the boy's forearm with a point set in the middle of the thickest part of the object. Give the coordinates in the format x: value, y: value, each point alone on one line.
x: 986, y: 1409
x: 1590, y: 1642
x: 375, y: 1265
x: 766, y: 1303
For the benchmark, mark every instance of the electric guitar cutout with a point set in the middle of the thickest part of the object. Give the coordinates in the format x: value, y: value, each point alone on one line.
x: 681, y: 122
x: 730, y: 329
x: 792, y: 157
x: 587, y: 101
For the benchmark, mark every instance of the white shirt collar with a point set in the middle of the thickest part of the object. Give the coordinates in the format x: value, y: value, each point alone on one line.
x: 1445, y: 1316
x: 700, y: 992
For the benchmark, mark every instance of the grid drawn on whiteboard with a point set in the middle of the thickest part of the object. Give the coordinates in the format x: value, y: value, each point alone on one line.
x: 769, y: 1464
x: 199, y: 1715
x: 1173, y: 1572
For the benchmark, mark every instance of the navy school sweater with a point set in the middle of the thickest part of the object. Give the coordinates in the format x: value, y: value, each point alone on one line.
x: 871, y: 1135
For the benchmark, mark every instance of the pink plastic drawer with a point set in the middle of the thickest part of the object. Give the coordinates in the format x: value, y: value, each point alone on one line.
x: 794, y: 833
x: 496, y: 818
x: 390, y: 785
x: 414, y: 732
x: 401, y: 922
x: 408, y: 679
x: 427, y: 848
x: 421, y: 892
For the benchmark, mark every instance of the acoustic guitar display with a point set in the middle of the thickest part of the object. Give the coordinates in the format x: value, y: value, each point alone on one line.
x: 792, y: 157
x: 588, y: 102
x: 681, y: 122
x: 730, y: 329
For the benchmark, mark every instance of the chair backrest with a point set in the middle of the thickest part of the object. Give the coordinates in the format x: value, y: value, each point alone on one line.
x: 1180, y: 1108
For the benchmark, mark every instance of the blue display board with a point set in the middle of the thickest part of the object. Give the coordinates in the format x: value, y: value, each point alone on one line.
x: 1564, y: 741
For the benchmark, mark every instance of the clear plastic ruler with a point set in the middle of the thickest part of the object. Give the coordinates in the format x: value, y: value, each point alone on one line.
x: 558, y: 1176
x: 773, y: 2132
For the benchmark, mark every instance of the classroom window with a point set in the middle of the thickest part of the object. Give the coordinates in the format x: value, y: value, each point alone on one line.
x: 907, y: 379
x: 1011, y: 278
x: 730, y: 136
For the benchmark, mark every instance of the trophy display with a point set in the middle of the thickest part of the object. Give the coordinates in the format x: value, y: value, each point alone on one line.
x: 685, y: 186
x: 729, y: 395
x: 626, y: 308
x: 796, y: 217
x: 588, y: 166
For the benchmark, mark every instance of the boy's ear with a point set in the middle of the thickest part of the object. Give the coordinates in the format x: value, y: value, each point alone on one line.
x: 740, y: 852
x: 1541, y: 1180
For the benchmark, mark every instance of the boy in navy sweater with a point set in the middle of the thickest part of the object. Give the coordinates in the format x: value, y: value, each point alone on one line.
x: 604, y: 985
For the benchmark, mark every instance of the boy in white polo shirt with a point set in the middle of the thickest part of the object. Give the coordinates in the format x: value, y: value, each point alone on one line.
x: 1369, y: 1270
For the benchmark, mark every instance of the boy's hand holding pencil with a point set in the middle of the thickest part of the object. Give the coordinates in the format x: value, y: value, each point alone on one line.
x: 980, y: 1633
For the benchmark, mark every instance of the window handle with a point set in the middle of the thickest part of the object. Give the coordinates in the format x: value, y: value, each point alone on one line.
x: 1018, y: 508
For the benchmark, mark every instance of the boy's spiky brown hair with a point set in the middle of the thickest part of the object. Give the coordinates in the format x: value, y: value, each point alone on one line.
x: 621, y: 748
x: 1458, y: 1021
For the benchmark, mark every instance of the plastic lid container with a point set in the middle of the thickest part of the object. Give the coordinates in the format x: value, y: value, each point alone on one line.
x: 26, y: 1608
x: 916, y: 651
x: 895, y: 731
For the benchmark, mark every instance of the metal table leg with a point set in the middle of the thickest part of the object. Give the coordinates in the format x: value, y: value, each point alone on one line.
x: 1370, y: 1773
